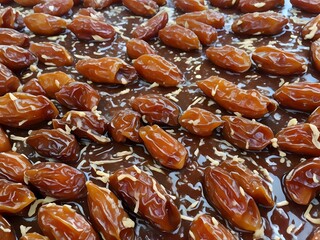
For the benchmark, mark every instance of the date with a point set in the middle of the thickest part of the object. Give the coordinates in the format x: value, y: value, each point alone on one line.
x: 10, y: 36
x: 10, y: 18
x: 314, y: 117
x: 54, y: 7
x: 16, y: 58
x: 250, y: 6
x: 190, y: 5
x: 209, y: 16
x: 6, y: 231
x: 34, y: 236
x: 28, y: 3
x: 311, y: 6
x: 137, y: 47
x: 224, y: 3
x: 99, y: 4
x: 144, y: 8
x: 90, y: 12
x: 315, y: 54
x: 8, y: 81
x: 311, y: 31
x: 33, y: 87
x: 5, y: 144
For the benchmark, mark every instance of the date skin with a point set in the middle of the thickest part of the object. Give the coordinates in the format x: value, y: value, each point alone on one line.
x: 156, y: 69
x: 8, y: 81
x: 315, y: 54
x: 311, y: 6
x: 107, y: 214
x: 57, y: 180
x: 190, y: 5
x: 90, y: 12
x: 98, y: 4
x: 314, y: 117
x: 16, y: 58
x: 6, y: 231
x: 250, y: 103
x: 137, y: 47
x: 302, y: 182
x: 14, y: 197
x: 34, y: 236
x: 247, y: 6
x: 300, y: 139
x: 210, y: 17
x: 13, y: 37
x: 64, y: 223
x: 144, y: 8
x: 311, y: 31
x: 145, y: 196
x: 246, y: 134
x: 23, y: 110
x: 5, y: 144
x: 224, y: 193
x: 229, y: 58
x: 33, y: 87
x: 111, y: 70
x: 304, y: 96
x: 164, y: 148
x: 54, y: 7
x: 28, y: 3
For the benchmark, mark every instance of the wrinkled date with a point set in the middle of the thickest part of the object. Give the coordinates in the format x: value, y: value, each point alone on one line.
x: 302, y: 182
x: 199, y: 121
x: 190, y: 5
x: 54, y: 7
x: 12, y: 37
x: 13, y: 165
x: 157, y: 109
x: 33, y: 87
x: 314, y: 117
x: 34, y: 236
x: 312, y: 6
x: 156, y: 69
x: 246, y: 134
x: 55, y: 143
x: 108, y: 215
x: 230, y: 58
x: 23, y: 110
x: 312, y: 29
x: 250, y: 103
x: 8, y: 81
x: 111, y: 70
x: 57, y: 180
x: 63, y: 222
x: 258, y: 5
x: 6, y: 232
x: 265, y: 23
x: 137, y: 47
x: 233, y: 203
x: 125, y: 125
x: 277, y: 61
x: 223, y: 3
x: 145, y: 196
x: 303, y: 96
x: 28, y: 3
x: 5, y: 144
x: 14, y: 196
x: 144, y: 8
x: 210, y: 17
x: 9, y: 18
x: 99, y: 4
x: 90, y: 12
x: 315, y: 54
x: 16, y: 58
x: 164, y: 148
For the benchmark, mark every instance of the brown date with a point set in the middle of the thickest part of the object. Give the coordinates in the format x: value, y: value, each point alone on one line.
x: 252, y: 183
x: 205, y: 226
x: 27, y: 3
x: 156, y: 69
x: 5, y: 144
x: 137, y: 47
x: 304, y: 96
x: 6, y: 231
x: 125, y: 125
x: 264, y: 23
x: 199, y: 121
x: 157, y: 109
x: 45, y: 24
x: 210, y: 17
x: 34, y: 236
x: 146, y: 197
x: 246, y: 134
x: 10, y: 18
x: 300, y: 139
x: 78, y: 96
x: 228, y: 197
x: 151, y: 27
x: 54, y: 7
x: 8, y: 81
x: 110, y: 70
x: 90, y: 12
x: 33, y: 87
x: 16, y: 58
x: 5, y: 1
x: 179, y: 37
x: 164, y: 148
x: 190, y: 5
x: 144, y: 8
x: 223, y: 3
x: 315, y: 54
x: 13, y: 165
x: 55, y: 143
x: 88, y: 28
x: 52, y: 82
x: 64, y: 223
x: 314, y: 117
x: 312, y: 29
x: 14, y: 196
x: 302, y: 182
x: 107, y: 214
x: 99, y: 4
x: 57, y: 180
x: 250, y: 103
x: 311, y: 6
x: 229, y: 58
x: 247, y: 6
x: 315, y: 235
x: 10, y: 36
x: 52, y: 54
x: 277, y: 61
x: 23, y: 109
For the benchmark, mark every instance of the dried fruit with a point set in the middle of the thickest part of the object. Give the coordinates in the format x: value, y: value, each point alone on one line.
x: 23, y: 109
x: 258, y: 5
x: 8, y: 81
x: 312, y: 29
x: 303, y: 96
x: 107, y: 213
x: 302, y: 182
x: 34, y: 236
x: 144, y: 8
x: 199, y: 121
x: 54, y: 7
x: 33, y: 87
x: 156, y: 69
x: 57, y: 180
x: 312, y: 6
x: 163, y: 147
x: 156, y: 109
x: 277, y: 61
x: 145, y: 196
x: 190, y: 5
x: 315, y: 54
x: 10, y: 18
x: 137, y: 47
x: 231, y: 200
x: 5, y: 144
x: 6, y: 231
x: 210, y: 17
x: 55, y: 143
x: 14, y: 196
x: 230, y: 58
x: 10, y: 36
x: 90, y: 12
x: 63, y: 222
x: 111, y: 70
x: 99, y: 4
x: 223, y: 3
x: 314, y: 117
x: 250, y: 103
x: 52, y: 54
x: 27, y: 3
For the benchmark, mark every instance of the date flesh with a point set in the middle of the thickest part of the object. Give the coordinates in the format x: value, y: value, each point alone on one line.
x: 13, y: 37
x: 210, y: 17
x: 312, y: 29
x: 314, y: 117
x: 33, y: 87
x: 8, y: 81
x: 164, y: 148
x: 250, y: 103
x: 6, y: 231
x: 54, y: 7
x: 137, y: 47
x: 246, y: 6
x: 5, y: 144
x: 16, y: 58
x: 57, y: 180
x: 315, y: 54
x: 146, y: 197
x: 311, y: 6
x: 144, y: 8
x: 190, y: 5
